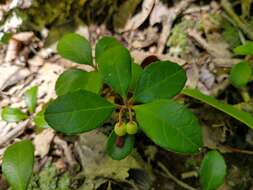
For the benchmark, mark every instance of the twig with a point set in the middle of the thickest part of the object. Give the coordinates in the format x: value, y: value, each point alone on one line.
x: 197, y: 9
x: 193, y: 33
x: 245, y: 94
x: 169, y: 175
x: 67, y: 151
x: 236, y: 150
x: 168, y: 22
x: 3, y: 95
x: 189, y: 174
x: 17, y: 130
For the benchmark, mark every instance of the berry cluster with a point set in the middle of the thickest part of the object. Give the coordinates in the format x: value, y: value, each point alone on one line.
x: 122, y: 128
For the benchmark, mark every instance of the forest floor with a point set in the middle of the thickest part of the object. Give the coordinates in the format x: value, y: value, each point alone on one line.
x: 200, y: 36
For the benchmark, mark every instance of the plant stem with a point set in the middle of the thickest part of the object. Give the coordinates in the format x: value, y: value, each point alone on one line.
x: 177, y: 181
x: 120, y: 114
x: 130, y: 101
x: 125, y: 101
x: 130, y: 114
x: 245, y: 94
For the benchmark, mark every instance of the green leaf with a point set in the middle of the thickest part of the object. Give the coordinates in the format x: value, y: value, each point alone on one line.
x: 76, y: 79
x: 39, y: 119
x: 115, y: 67
x: 75, y: 48
x: 116, y: 151
x: 30, y: 98
x: 230, y: 34
x: 161, y: 79
x: 77, y: 112
x: 240, y: 74
x: 245, y: 49
x: 170, y: 125
x: 56, y: 32
x: 5, y: 37
x: 105, y: 44
x: 13, y: 114
x: 212, y: 171
x: 242, y: 116
x: 136, y: 73
x: 18, y: 164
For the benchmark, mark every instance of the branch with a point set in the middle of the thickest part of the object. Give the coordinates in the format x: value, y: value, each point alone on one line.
x: 177, y: 181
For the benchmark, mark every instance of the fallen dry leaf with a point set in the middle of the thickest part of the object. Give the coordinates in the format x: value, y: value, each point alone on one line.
x: 11, y: 74
x: 10, y: 131
x: 42, y: 142
x: 159, y: 11
x: 97, y: 164
x: 139, y: 18
x: 24, y: 37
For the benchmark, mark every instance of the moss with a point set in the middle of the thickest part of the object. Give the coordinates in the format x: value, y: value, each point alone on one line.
x: 179, y: 38
x: 45, y: 13
x: 50, y: 178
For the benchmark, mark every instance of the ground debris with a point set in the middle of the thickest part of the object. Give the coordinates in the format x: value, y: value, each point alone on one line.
x: 98, y: 167
x: 199, y: 37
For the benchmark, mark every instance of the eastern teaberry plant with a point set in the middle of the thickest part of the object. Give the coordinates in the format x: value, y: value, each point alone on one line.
x: 11, y: 114
x: 142, y: 102
x: 144, y: 98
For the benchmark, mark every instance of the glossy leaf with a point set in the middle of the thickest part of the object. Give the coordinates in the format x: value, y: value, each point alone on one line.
x: 212, y: 171
x: 77, y: 112
x: 76, y: 48
x: 5, y: 37
x: 240, y: 74
x: 17, y: 164
x: 242, y: 116
x: 30, y: 98
x: 13, y: 114
x: 161, y: 79
x: 136, y: 73
x: 115, y: 67
x: 170, y: 125
x: 39, y: 119
x: 230, y: 34
x: 245, y: 49
x: 76, y: 79
x: 105, y: 44
x: 119, y: 147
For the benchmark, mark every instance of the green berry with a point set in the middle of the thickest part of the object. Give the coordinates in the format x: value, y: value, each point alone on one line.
x: 120, y: 129
x: 131, y: 128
